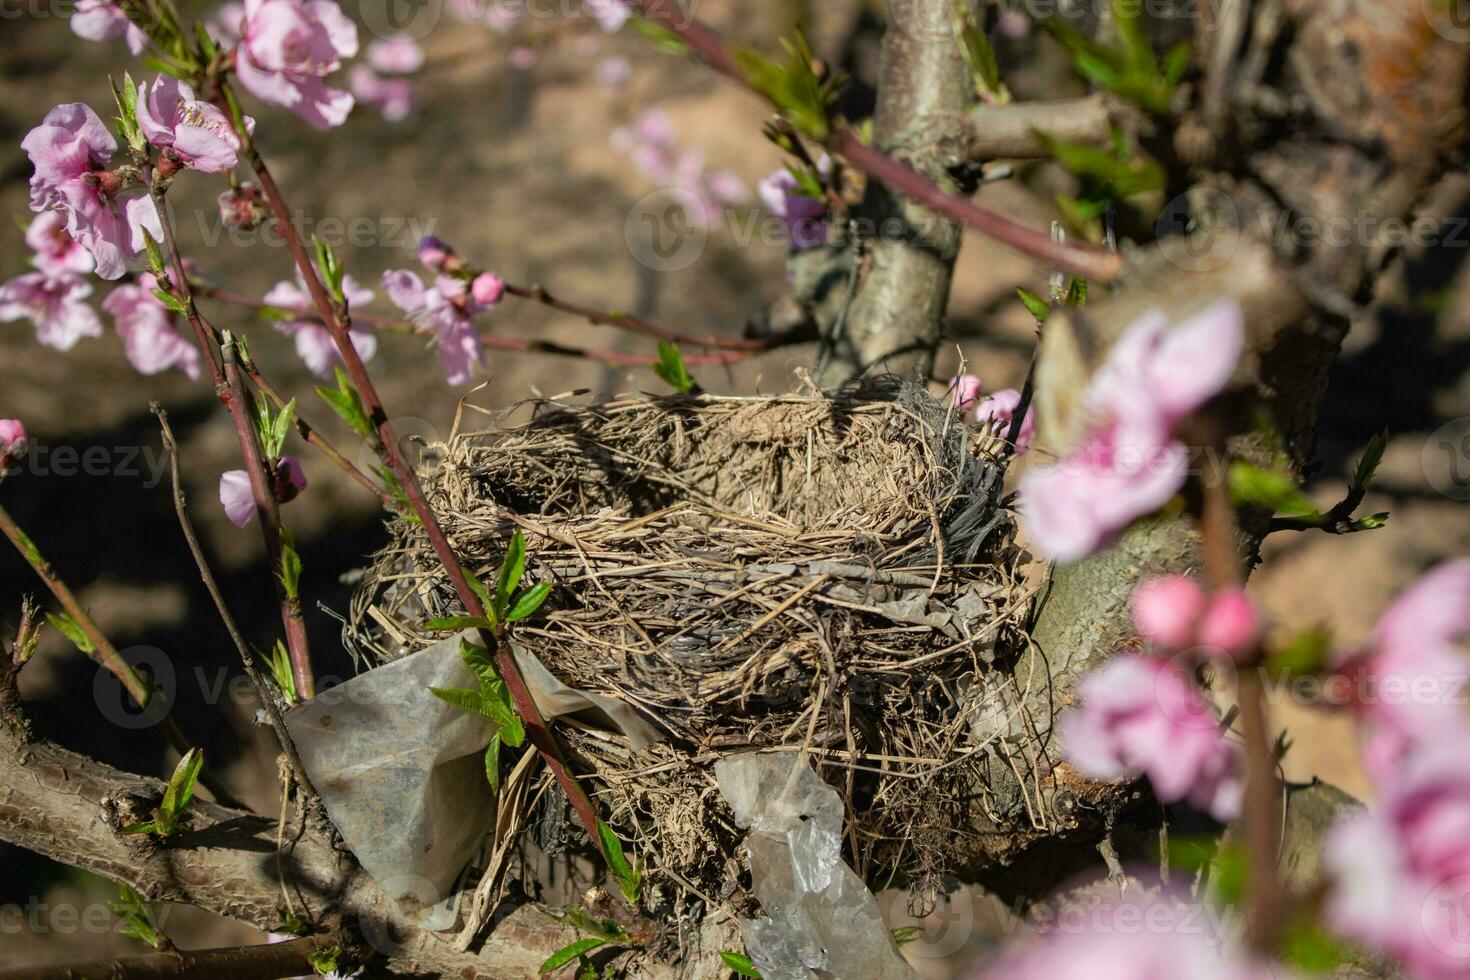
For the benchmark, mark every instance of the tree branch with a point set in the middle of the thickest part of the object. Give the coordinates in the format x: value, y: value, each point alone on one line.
x: 267, y: 961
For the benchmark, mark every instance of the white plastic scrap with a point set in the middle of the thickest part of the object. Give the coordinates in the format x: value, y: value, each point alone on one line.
x: 821, y: 919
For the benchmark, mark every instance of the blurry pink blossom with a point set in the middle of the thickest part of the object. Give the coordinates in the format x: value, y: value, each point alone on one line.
x: 238, y: 499
x: 445, y: 309
x: 999, y: 409
x: 69, y: 152
x: 198, y: 133
x: 12, y: 440
x: 522, y: 58
x: 314, y: 343
x: 610, y: 15
x: 288, y: 47
x: 227, y: 24
x: 805, y: 216
x: 1129, y: 464
x: 965, y: 389
x: 651, y: 142
x: 1402, y: 868
x: 613, y: 71
x: 56, y: 252
x: 1147, y: 937
x: 147, y: 330
x: 436, y: 255
x: 1412, y: 676
x: 55, y: 304
x: 396, y: 55
x: 103, y: 20
x: 393, y: 97
x: 1172, y: 611
x: 1143, y: 714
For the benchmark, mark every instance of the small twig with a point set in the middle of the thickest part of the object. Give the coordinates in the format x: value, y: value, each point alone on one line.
x: 229, y: 389
x: 104, y: 654
x: 211, y: 584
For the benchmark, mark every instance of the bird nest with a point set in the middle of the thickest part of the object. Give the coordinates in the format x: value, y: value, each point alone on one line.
x: 827, y: 575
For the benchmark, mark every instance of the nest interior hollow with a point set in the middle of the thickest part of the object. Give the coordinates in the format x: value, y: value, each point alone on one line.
x: 794, y: 573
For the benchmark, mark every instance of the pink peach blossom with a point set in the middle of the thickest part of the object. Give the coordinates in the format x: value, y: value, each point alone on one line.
x: 446, y: 309
x: 393, y: 97
x: 1143, y: 714
x: 1135, y: 937
x: 487, y: 289
x: 1129, y: 464
x: 288, y: 47
x: 199, y: 134
x: 1401, y: 868
x: 999, y: 409
x: 55, y: 304
x: 1412, y: 676
x: 103, y: 20
x: 69, y: 152
x: 610, y: 15
x: 238, y: 499
x: 396, y: 55
x: 56, y: 252
x: 965, y: 390
x: 146, y: 326
x: 314, y: 341
x: 1230, y: 623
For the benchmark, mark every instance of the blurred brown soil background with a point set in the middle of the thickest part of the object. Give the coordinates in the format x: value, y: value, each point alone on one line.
x: 514, y: 168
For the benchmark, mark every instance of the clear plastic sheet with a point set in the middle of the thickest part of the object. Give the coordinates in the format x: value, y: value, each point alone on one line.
x: 402, y: 775
x: 820, y: 917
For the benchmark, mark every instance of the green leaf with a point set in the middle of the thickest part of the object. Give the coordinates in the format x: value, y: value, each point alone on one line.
x: 979, y: 54
x: 137, y: 919
x: 492, y: 763
x: 477, y: 659
x: 570, y: 952
x: 1077, y: 292
x: 324, y: 961
x: 1122, y: 175
x: 1311, y: 950
x: 628, y: 876
x: 462, y: 698
x: 72, y: 630
x: 290, y: 566
x: 330, y: 268
x: 180, y: 789
x: 155, y: 255
x: 670, y: 368
x: 1370, y: 523
x: 1271, y: 489
x: 1369, y: 461
x: 1309, y: 652
x: 512, y: 567
x: 276, y: 429
x: 528, y: 602
x: 662, y: 38
x: 207, y: 47
x: 167, y: 68
x: 1035, y: 305
x: 740, y: 965
x: 171, y: 301
x: 792, y: 87
x: 906, y: 934
x: 141, y: 827
x: 448, y: 623
x: 477, y: 586
x: 279, y: 662
x: 347, y: 403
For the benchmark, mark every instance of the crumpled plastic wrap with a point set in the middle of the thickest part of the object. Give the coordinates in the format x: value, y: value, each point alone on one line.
x: 402, y: 775
x: 821, y: 918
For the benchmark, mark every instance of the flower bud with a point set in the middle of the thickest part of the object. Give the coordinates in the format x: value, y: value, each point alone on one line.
x: 487, y: 289
x: 1230, y: 623
x: 436, y: 255
x: 12, y: 441
x: 1166, y: 609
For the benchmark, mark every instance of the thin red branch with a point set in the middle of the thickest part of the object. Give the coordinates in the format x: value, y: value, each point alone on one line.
x: 1095, y: 264
x: 229, y: 389
x: 338, y: 324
